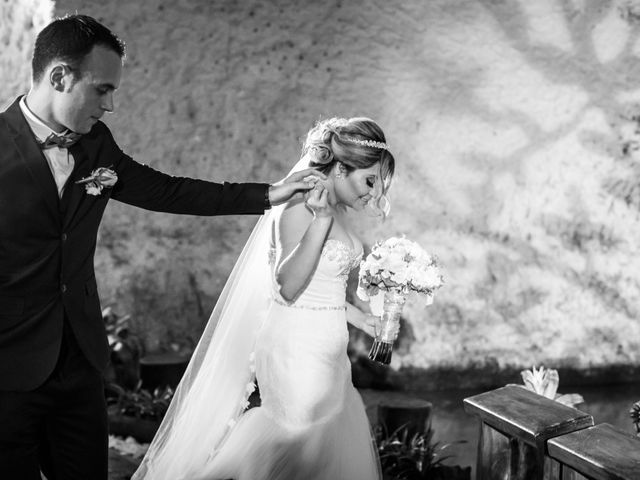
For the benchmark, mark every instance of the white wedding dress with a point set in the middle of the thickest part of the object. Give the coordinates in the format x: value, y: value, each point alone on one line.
x: 311, y: 424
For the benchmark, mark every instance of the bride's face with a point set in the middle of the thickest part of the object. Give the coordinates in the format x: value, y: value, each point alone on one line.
x: 356, y: 188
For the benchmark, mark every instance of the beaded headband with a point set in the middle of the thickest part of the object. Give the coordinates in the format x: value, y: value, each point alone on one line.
x: 368, y: 143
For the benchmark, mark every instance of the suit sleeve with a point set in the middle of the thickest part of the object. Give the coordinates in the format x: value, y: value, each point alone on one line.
x: 144, y: 187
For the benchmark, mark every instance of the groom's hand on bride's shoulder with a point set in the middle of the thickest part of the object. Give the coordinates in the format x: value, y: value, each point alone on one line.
x: 297, y: 182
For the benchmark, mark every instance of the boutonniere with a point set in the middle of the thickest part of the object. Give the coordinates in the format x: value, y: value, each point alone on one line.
x: 100, y: 178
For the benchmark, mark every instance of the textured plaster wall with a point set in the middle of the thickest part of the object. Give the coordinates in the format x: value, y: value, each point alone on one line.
x: 516, y: 126
x: 20, y: 22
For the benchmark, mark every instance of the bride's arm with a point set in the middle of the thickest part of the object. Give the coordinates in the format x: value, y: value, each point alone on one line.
x: 361, y: 320
x: 301, y: 236
x: 367, y: 322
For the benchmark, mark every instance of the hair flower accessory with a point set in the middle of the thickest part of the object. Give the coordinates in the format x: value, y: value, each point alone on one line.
x: 100, y: 178
x: 320, y: 154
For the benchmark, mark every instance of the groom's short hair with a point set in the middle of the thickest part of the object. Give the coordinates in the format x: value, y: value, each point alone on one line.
x: 71, y: 39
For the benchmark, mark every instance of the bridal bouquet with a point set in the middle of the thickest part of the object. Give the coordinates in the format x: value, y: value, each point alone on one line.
x: 393, y: 269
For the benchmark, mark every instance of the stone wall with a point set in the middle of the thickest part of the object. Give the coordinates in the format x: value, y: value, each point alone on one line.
x: 516, y: 126
x: 20, y: 22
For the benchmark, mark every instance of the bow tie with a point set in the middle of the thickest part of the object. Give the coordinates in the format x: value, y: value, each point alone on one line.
x: 62, y: 141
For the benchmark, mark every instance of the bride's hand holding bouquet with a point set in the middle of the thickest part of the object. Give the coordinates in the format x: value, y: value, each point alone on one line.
x: 393, y: 269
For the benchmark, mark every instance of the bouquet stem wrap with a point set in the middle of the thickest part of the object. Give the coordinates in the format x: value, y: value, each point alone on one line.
x: 387, y: 330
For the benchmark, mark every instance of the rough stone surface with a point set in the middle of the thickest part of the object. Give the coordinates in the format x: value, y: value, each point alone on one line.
x: 516, y: 127
x: 20, y: 22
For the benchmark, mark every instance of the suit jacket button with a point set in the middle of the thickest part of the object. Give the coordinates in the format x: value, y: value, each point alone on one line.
x: 63, y: 288
x: 64, y: 237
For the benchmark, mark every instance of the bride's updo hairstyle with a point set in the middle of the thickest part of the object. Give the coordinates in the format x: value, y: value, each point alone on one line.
x: 357, y: 143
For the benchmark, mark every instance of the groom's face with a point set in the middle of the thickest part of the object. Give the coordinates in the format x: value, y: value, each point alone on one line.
x: 88, y: 94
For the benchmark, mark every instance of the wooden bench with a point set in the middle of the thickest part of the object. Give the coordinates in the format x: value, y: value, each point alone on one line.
x: 515, y: 426
x: 597, y: 453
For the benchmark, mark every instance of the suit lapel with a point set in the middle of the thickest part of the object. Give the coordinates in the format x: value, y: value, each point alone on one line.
x: 31, y: 155
x: 74, y: 198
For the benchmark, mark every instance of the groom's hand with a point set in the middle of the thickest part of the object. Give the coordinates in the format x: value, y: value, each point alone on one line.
x: 295, y: 183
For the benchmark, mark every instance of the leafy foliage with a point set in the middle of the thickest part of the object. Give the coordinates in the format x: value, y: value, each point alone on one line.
x: 413, y: 457
x: 140, y: 403
x: 634, y: 413
x: 125, y: 350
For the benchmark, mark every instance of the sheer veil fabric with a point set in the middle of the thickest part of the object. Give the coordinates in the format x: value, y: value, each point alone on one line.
x: 213, y: 391
x: 218, y: 380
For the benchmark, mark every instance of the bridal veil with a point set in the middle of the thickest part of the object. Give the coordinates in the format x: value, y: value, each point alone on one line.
x: 216, y: 385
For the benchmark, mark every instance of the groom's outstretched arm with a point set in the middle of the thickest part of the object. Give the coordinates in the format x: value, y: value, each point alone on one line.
x: 147, y: 188
x: 142, y: 186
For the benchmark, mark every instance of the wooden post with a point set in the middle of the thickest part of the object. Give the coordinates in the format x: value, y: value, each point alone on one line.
x: 162, y: 370
x: 515, y: 425
x: 599, y: 453
x: 412, y: 412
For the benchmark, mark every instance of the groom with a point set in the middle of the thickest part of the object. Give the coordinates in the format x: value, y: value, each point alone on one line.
x: 53, y: 346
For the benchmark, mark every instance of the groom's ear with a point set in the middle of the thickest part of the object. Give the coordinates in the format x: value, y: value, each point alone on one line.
x: 60, y: 77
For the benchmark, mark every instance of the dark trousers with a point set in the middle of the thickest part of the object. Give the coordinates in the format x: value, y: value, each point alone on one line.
x: 60, y: 427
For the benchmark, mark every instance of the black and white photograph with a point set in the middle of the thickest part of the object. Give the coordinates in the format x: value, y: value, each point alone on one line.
x: 302, y: 240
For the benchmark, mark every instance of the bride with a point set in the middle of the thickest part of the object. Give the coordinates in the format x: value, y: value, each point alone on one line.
x: 281, y: 319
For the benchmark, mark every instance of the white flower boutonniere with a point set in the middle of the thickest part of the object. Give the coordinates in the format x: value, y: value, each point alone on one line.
x: 100, y: 178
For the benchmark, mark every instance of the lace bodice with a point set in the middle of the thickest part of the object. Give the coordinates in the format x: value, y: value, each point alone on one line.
x: 327, y: 286
x: 345, y: 257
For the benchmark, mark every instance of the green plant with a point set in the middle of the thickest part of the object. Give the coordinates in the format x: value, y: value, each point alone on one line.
x: 545, y: 382
x: 125, y: 350
x: 139, y: 402
x: 634, y: 413
x: 414, y: 457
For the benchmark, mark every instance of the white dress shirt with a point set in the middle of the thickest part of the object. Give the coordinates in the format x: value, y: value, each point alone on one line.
x: 59, y: 159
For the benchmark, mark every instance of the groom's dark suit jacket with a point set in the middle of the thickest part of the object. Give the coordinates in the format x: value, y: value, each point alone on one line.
x: 47, y: 244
